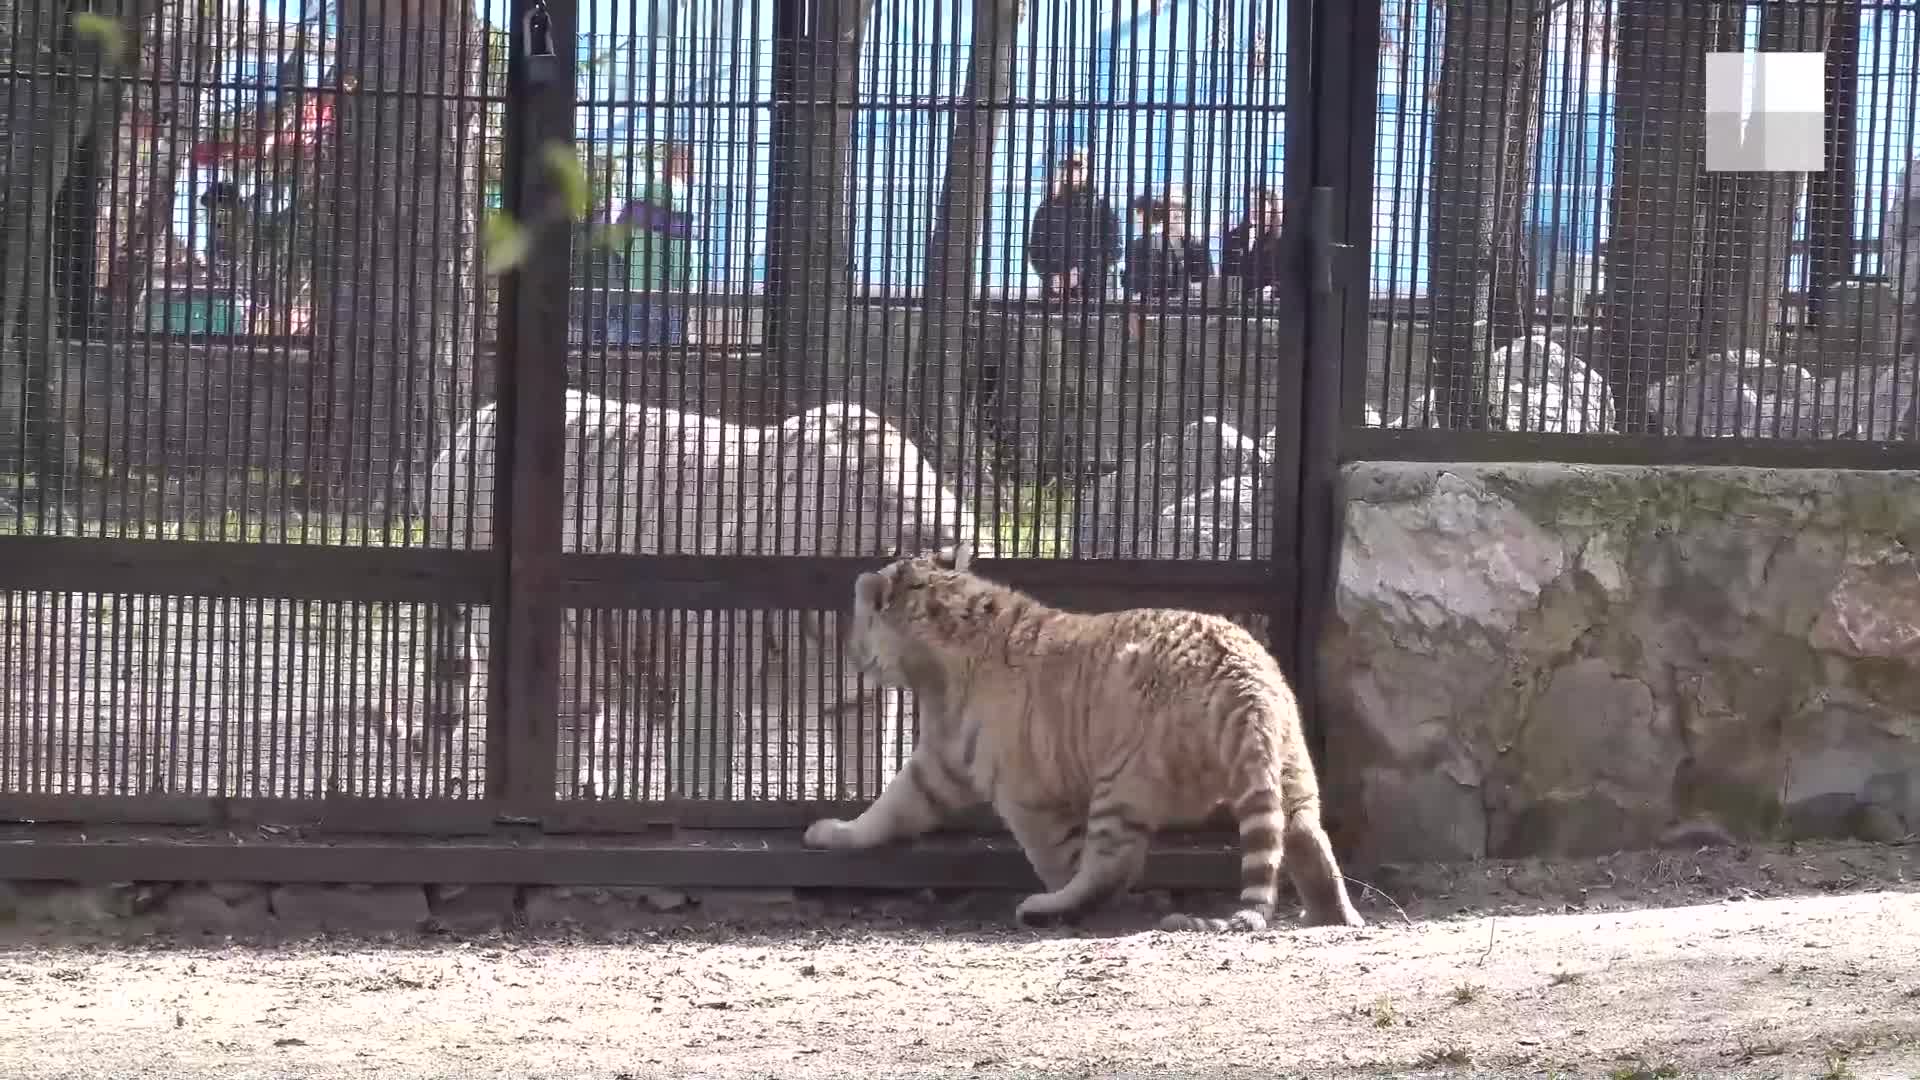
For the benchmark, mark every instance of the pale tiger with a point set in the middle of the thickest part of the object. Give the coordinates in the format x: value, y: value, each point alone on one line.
x: 1086, y: 733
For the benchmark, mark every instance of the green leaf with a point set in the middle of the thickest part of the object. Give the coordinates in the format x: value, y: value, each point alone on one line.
x: 564, y: 168
x: 504, y: 242
x: 106, y: 34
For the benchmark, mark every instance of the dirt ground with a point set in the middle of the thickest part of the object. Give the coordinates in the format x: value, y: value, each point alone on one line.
x: 1779, y: 961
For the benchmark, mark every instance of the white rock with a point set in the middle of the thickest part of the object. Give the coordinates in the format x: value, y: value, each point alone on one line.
x: 837, y: 480
x: 1118, y: 515
x: 1535, y: 385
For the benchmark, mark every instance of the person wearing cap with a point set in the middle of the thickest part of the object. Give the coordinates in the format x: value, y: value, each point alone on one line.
x: 1075, y: 238
x: 1252, y: 249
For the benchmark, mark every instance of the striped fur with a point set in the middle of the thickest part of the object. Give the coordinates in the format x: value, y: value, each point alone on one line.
x: 1086, y: 734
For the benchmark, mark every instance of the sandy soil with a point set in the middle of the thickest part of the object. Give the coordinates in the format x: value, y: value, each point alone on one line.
x: 1800, y: 962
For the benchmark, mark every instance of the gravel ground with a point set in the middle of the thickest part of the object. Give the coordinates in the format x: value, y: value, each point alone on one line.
x: 1789, y: 962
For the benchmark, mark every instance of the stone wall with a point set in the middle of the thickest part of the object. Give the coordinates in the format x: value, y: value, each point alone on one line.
x: 1568, y: 659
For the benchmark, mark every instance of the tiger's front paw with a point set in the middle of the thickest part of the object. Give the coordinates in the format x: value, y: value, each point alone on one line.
x: 1045, y: 910
x: 829, y: 833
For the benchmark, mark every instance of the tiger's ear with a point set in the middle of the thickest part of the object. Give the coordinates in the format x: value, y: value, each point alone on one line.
x: 957, y: 557
x: 870, y: 591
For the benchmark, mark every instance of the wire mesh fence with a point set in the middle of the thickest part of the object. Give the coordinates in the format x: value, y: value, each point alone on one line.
x: 849, y: 279
x: 1552, y: 254
x: 1024, y: 261
x: 244, y: 286
x: 1007, y: 277
x: 214, y: 697
x: 242, y: 301
x: 846, y: 279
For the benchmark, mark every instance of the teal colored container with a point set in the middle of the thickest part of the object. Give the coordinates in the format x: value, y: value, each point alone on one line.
x: 193, y: 314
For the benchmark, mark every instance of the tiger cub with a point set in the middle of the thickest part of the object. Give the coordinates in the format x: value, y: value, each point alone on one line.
x: 1086, y: 733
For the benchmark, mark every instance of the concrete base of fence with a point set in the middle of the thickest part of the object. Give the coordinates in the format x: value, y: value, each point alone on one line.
x: 1566, y: 659
x: 183, y: 880
x: 248, y: 910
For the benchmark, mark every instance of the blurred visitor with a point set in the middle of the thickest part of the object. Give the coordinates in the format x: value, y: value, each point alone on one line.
x: 1252, y: 250
x: 1075, y: 238
x: 1164, y: 262
x: 227, y: 232
x: 659, y: 255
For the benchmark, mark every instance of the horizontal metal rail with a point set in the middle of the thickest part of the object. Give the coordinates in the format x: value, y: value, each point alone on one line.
x: 641, y: 582
x: 694, y: 860
x: 1390, y: 444
x: 246, y: 570
x: 443, y: 817
x: 744, y: 582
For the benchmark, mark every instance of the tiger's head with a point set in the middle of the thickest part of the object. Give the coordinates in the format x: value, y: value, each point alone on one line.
x: 887, y: 634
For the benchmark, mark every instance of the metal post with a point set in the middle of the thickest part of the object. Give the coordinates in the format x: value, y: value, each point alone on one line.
x: 531, y: 435
x: 1339, y: 178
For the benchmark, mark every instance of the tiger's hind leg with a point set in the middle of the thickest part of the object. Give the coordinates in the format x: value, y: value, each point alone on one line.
x: 1315, y: 873
x: 1279, y: 815
x: 1308, y: 854
x: 1051, y: 839
x: 456, y: 696
x: 1261, y: 855
x: 1112, y: 858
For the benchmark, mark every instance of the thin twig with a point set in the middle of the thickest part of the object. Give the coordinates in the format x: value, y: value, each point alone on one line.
x: 1382, y: 895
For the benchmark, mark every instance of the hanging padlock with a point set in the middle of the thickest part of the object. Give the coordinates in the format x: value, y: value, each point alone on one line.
x: 538, y: 42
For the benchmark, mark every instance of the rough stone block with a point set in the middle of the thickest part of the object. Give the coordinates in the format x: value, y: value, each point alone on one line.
x: 751, y: 905
x: 474, y: 909
x: 223, y: 907
x: 236, y: 892
x: 350, y: 908
x: 1066, y: 397
x: 1535, y: 384
x: 1570, y: 659
x: 70, y: 904
x: 1233, y: 520
x: 600, y: 908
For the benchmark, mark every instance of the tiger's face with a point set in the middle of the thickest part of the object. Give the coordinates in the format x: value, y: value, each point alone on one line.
x: 879, y: 637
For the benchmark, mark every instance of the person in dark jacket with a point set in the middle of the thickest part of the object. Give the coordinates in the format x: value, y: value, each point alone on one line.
x: 1075, y: 238
x: 1164, y: 260
x: 1252, y: 250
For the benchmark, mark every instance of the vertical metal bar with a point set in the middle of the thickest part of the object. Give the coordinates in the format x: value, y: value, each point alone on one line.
x: 1289, y: 343
x: 524, y: 662
x: 1345, y: 59
x: 1356, y: 173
